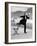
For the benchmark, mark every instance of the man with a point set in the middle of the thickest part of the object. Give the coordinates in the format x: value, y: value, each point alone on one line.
x: 23, y: 21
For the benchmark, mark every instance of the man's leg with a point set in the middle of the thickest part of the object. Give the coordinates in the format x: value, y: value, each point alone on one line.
x: 25, y: 28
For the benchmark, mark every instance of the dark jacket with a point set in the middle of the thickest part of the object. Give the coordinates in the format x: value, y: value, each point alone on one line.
x: 23, y: 21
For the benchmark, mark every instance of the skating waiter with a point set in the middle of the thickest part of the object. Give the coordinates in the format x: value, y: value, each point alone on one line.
x: 23, y: 21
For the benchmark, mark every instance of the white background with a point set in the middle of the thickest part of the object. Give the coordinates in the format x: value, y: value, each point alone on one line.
x: 2, y: 23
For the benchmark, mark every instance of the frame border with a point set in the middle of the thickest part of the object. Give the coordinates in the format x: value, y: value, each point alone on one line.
x: 6, y: 22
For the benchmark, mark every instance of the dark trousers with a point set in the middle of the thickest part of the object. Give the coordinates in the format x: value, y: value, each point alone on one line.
x: 23, y: 23
x: 25, y: 28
